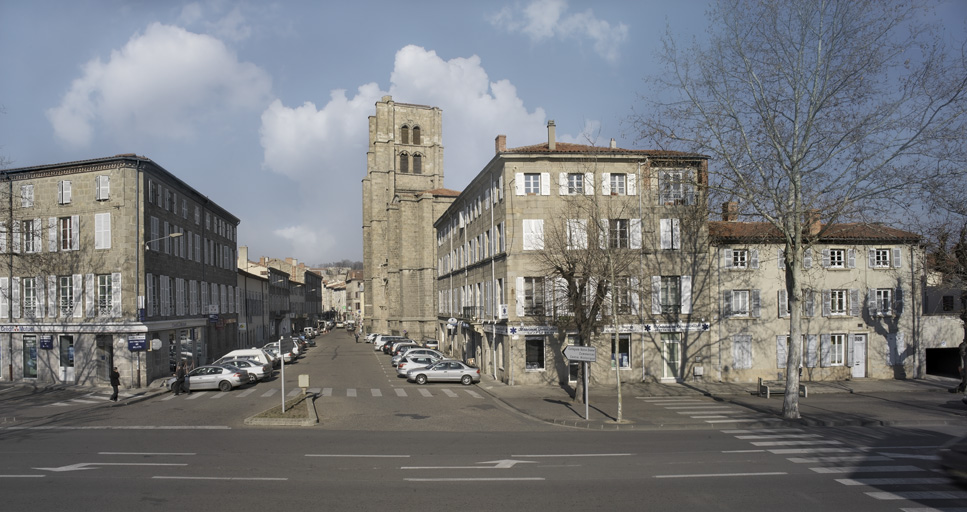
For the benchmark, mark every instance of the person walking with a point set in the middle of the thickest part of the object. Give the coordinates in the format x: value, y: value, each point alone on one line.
x: 179, y: 378
x: 115, y: 382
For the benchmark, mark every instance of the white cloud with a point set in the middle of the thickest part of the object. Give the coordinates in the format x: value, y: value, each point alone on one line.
x: 324, y: 148
x: 162, y: 83
x: 543, y: 19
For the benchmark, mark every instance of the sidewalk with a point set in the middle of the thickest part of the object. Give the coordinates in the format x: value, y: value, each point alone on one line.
x: 651, y: 406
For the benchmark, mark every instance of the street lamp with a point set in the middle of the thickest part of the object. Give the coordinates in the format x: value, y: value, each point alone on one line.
x: 171, y: 235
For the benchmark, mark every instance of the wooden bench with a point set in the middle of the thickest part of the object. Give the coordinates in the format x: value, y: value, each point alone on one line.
x: 765, y: 389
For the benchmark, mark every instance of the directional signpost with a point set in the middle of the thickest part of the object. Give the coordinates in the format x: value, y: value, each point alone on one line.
x: 585, y: 355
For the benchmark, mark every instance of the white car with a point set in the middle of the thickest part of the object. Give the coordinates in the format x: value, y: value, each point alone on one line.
x: 418, y: 351
x: 408, y: 363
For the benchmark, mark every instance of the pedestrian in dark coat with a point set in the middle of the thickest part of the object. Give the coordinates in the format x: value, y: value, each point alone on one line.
x: 179, y: 379
x: 115, y: 382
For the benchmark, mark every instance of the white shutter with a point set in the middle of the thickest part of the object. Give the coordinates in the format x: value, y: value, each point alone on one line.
x: 52, y: 305
x: 606, y: 183
x: 603, y: 233
x: 781, y: 351
x: 533, y: 234
x: 807, y: 258
x: 897, y: 258
x: 783, y: 303
x: 545, y: 183
x: 562, y: 184
x: 824, y: 347
x: 827, y: 302
x: 809, y: 299
x: 849, y: 349
x: 871, y: 258
x: 665, y: 233
x: 116, y: 294
x: 4, y: 307
x: 634, y: 226
x: 855, y: 308
x: 520, y: 297
x: 656, y: 295
x: 727, y: 258
x: 15, y: 296
x: 78, y: 283
x: 741, y: 351
x: 726, y: 303
x: 39, y: 290
x: 3, y: 237
x: 75, y: 232
x: 635, y: 296
x: 589, y: 183
x: 89, y: 299
x: 52, y: 234
x: 686, y: 295
x: 851, y: 258
x: 825, y: 258
x: 632, y: 184
x: 811, y: 347
x: 753, y: 258
x: 780, y: 259
x: 755, y: 305
x: 519, y: 183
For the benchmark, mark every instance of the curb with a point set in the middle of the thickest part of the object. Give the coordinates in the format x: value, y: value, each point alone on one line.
x: 311, y: 420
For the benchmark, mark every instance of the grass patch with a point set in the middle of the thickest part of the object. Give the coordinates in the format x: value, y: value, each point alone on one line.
x: 295, y: 408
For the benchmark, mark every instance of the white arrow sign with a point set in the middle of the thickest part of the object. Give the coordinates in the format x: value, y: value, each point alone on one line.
x: 498, y: 464
x: 579, y: 353
x: 80, y: 466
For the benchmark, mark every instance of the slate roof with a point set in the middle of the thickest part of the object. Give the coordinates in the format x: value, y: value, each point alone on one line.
x: 566, y: 147
x: 723, y: 231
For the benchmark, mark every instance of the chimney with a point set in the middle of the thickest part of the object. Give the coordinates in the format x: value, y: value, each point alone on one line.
x: 500, y: 144
x: 243, y: 255
x: 730, y: 211
x: 551, y: 143
x: 614, y: 145
x: 812, y: 222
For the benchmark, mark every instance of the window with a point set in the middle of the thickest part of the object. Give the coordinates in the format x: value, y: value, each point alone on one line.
x: 947, y: 303
x: 534, y: 348
x: 102, y: 231
x: 740, y: 303
x: 417, y: 164
x: 32, y: 241
x: 741, y: 352
x: 740, y: 258
x: 671, y: 296
x: 674, y: 188
x: 102, y: 188
x: 618, y: 234
x: 30, y: 302
x: 184, y: 209
x: 105, y: 297
x: 880, y: 258
x: 836, y: 349
x: 882, y: 302
x: 65, y: 227
x: 621, y: 349
x: 839, y: 258
x: 837, y: 302
x: 532, y: 183
x: 65, y: 295
x: 404, y: 134
x: 669, y: 235
x: 575, y: 183
x: 404, y: 162
x: 168, y: 198
x: 64, y: 192
x: 618, y: 184
x: 26, y: 196
x: 621, y: 293
x: 533, y: 296
x: 416, y: 135
x: 577, y: 234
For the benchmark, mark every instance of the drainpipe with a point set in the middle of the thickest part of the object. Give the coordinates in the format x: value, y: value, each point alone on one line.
x: 10, y: 273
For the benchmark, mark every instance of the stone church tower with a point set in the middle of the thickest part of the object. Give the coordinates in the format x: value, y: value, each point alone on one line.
x: 402, y: 197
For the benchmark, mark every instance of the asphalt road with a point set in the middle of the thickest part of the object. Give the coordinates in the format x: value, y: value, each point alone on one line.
x: 384, y: 445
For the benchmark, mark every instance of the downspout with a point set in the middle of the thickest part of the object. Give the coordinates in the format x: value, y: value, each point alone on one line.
x: 641, y: 263
x: 10, y: 272
x: 493, y: 282
x: 138, y: 298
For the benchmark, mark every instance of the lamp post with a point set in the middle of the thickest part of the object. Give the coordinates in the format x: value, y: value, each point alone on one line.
x: 147, y: 247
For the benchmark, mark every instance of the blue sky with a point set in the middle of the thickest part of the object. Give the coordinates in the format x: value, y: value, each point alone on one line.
x: 263, y: 106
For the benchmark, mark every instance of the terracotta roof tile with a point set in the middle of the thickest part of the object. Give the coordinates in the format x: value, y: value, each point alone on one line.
x: 724, y: 231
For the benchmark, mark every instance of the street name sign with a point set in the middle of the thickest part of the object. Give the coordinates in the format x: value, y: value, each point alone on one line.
x: 578, y: 353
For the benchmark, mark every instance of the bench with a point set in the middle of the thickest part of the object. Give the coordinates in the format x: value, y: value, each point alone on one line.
x: 765, y: 389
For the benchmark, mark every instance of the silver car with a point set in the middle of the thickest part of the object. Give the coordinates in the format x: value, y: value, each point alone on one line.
x: 447, y: 370
x: 417, y: 350
x: 225, y: 378
x: 256, y: 370
x: 408, y: 363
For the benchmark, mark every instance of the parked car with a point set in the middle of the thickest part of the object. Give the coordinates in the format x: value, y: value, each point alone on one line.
x: 371, y: 337
x: 259, y: 371
x: 414, y: 362
x: 383, y: 339
x: 397, y: 348
x: 391, y: 347
x: 223, y: 377
x: 417, y: 351
x: 447, y: 370
x: 249, y: 353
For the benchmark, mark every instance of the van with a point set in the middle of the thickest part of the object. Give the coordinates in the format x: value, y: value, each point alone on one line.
x: 256, y: 354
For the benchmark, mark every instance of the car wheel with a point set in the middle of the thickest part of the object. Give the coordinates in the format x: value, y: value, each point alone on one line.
x: 225, y: 385
x: 421, y: 379
x: 466, y: 380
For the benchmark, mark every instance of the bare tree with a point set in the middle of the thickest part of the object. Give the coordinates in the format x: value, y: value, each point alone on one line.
x: 590, y: 256
x: 813, y: 107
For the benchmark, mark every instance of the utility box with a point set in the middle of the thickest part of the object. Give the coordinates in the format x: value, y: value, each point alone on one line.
x: 304, y: 383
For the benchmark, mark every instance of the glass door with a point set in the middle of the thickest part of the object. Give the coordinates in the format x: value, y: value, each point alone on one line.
x: 67, y: 359
x: 671, y: 355
x: 30, y: 356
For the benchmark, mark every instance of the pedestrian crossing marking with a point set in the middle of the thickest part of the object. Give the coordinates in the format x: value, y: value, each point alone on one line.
x: 269, y: 393
x: 919, y: 495
x: 326, y: 391
x: 351, y: 392
x: 893, y: 481
x: 400, y: 392
x: 866, y: 469
x: 449, y: 393
x: 376, y: 392
x: 426, y: 393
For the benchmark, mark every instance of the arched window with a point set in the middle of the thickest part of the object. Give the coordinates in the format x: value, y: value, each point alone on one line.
x: 417, y: 164
x: 404, y: 162
x: 405, y: 134
x: 416, y: 135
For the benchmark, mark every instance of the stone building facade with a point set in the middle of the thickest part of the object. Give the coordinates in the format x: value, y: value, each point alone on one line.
x: 502, y: 308
x: 402, y: 197
x: 112, y: 261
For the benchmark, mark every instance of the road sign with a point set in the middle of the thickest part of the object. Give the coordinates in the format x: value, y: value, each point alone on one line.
x: 578, y: 353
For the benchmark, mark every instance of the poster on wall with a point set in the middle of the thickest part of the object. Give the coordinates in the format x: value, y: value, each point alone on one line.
x: 46, y: 342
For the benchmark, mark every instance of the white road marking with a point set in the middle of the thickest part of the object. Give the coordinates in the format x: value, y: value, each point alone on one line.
x: 788, y: 436
x: 574, y: 455
x: 426, y: 393
x: 841, y: 458
x: 400, y: 392
x: 270, y: 392
x: 247, y: 392
x: 799, y: 451
x: 449, y: 393
x: 367, y: 456
x: 22, y: 476
x: 351, y: 392
x: 146, y: 453
x: 217, y: 478
x: 376, y: 392
x: 866, y: 469
x: 762, y: 431
x: 473, y: 479
x: 326, y: 391
x: 742, y: 420
x: 794, y: 443
x: 919, y: 495
x: 473, y: 393
x: 716, y: 475
x: 893, y: 481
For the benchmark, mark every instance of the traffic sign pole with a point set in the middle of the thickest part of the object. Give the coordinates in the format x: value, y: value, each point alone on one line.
x: 585, y: 355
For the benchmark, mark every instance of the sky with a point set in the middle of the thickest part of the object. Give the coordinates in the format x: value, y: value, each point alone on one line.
x: 262, y: 106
